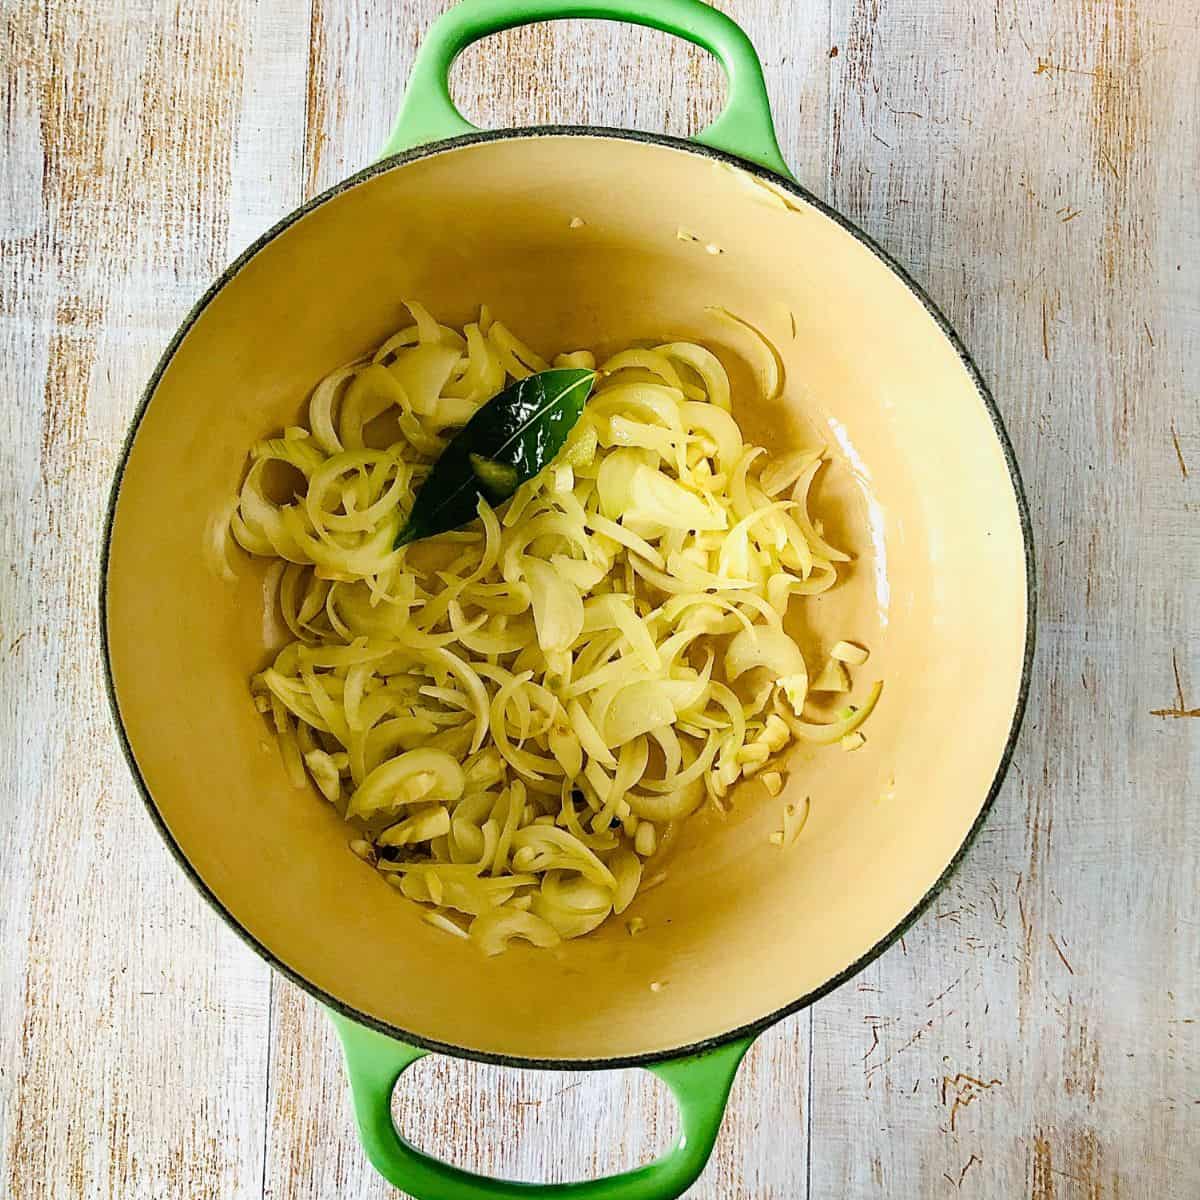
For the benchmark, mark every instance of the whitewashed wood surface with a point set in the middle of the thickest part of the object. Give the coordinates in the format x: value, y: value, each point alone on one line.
x: 1035, y: 163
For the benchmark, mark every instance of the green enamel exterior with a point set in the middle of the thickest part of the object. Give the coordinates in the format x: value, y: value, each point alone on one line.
x: 744, y: 127
x: 374, y: 1063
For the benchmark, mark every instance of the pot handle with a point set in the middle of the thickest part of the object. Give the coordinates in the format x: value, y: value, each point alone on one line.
x: 744, y: 127
x: 375, y: 1063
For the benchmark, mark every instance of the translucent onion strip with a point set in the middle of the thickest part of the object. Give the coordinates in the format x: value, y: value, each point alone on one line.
x: 514, y: 717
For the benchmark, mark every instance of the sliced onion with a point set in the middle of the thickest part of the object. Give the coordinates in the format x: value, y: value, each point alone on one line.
x: 637, y: 709
x: 658, y: 498
x: 420, y: 827
x: 669, y: 806
x: 557, y: 606
x: 614, y: 481
x: 833, y: 731
x: 417, y: 775
x: 496, y: 693
x: 423, y: 372
x: 573, y: 906
x: 781, y: 473
x: 493, y: 930
x: 707, y: 365
x: 627, y: 871
x: 763, y: 646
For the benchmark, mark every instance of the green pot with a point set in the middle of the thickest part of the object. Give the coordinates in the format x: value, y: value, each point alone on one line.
x: 575, y: 234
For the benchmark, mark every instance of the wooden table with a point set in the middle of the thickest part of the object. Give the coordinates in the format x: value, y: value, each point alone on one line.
x: 1035, y: 164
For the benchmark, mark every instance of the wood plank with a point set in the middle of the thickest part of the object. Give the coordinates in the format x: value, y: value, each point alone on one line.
x: 1027, y: 162
x: 134, y: 1024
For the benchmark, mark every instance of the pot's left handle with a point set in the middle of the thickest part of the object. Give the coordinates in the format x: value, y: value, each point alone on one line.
x: 744, y: 127
x: 374, y: 1063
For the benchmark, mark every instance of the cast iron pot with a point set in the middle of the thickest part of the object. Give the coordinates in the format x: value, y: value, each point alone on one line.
x: 584, y: 237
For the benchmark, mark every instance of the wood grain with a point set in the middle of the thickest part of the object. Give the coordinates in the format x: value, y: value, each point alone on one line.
x: 1044, y: 212
x: 1034, y: 165
x: 133, y: 1030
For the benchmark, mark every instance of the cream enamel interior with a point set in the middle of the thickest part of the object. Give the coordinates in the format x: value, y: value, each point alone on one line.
x: 920, y: 492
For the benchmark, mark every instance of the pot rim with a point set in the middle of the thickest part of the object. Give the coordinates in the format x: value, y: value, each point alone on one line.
x: 749, y: 1029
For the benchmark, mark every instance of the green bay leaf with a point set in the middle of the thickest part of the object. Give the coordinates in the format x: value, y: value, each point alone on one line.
x: 509, y: 440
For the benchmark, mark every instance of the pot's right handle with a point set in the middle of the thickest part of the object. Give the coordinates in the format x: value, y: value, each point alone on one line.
x: 744, y: 127
x: 375, y: 1063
